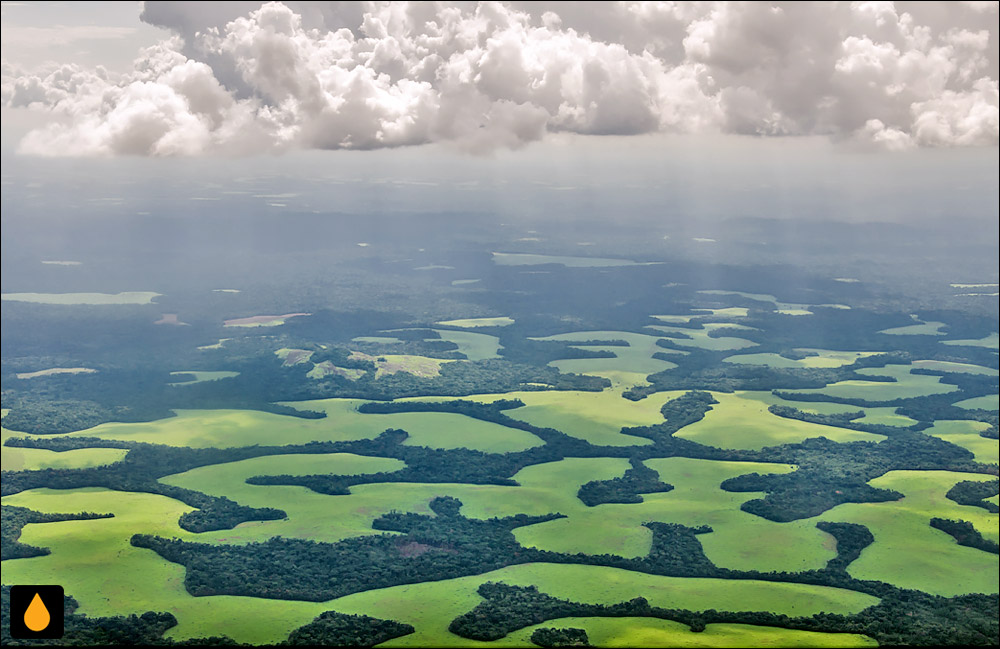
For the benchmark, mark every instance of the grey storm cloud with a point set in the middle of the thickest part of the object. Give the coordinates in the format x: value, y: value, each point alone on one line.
x: 246, y: 77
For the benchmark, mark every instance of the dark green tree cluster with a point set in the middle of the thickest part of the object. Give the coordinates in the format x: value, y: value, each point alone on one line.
x: 333, y: 629
x: 565, y: 637
x: 965, y: 534
x: 975, y: 493
x: 639, y: 479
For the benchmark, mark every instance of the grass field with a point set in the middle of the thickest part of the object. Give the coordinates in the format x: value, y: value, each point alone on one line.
x: 987, y: 402
x: 965, y: 433
x: 597, y: 417
x: 476, y: 347
x: 700, y: 337
x: 741, y: 420
x: 200, y: 376
x: 631, y: 364
x: 920, y: 329
x: 431, y: 606
x: 127, y: 297
x: 95, y: 563
x: 739, y: 540
x: 472, y: 323
x: 886, y: 415
x: 651, y: 632
x: 705, y: 314
x: 905, y: 386
x: 34, y: 459
x: 262, y: 320
x: 907, y: 551
x: 784, y: 308
x: 945, y: 366
x: 227, y: 428
x: 55, y: 370
x: 823, y: 358
x: 991, y: 341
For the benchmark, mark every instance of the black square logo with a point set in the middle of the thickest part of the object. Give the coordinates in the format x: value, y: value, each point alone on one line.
x: 36, y: 612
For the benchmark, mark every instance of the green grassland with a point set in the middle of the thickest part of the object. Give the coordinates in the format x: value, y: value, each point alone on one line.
x: 784, y: 308
x: 905, y: 386
x: 907, y: 551
x: 34, y: 459
x: 824, y: 358
x: 431, y: 606
x: 127, y: 297
x: 885, y: 416
x: 920, y: 329
x: 55, y: 370
x: 741, y: 420
x: 699, y: 337
x: 630, y: 366
x: 597, y: 417
x: 475, y: 346
x: 200, y: 376
x: 965, y: 433
x: 739, y: 540
x: 472, y: 323
x: 95, y: 563
x: 651, y: 632
x: 945, y: 366
x: 991, y: 341
x: 986, y: 402
x: 229, y: 428
x: 705, y: 314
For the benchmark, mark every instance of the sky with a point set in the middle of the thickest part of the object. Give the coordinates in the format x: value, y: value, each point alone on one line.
x: 853, y: 110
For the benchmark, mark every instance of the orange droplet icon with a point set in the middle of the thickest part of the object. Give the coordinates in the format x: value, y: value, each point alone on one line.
x: 36, y: 617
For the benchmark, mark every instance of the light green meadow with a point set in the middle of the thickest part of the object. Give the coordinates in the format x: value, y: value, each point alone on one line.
x: 472, y: 323
x: 34, y: 459
x: 202, y: 376
x: 945, y: 366
x: 597, y: 417
x: 55, y: 370
x: 884, y: 415
x: 907, y: 551
x: 701, y: 339
x: 476, y: 347
x: 919, y: 329
x: 905, y: 386
x: 630, y: 366
x: 652, y: 632
x: 784, y: 308
x: 824, y: 358
x: 705, y: 314
x: 95, y: 563
x: 987, y: 402
x: 965, y: 433
x: 741, y: 420
x: 991, y: 341
x: 430, y: 607
x: 228, y: 428
x: 739, y: 540
x: 127, y: 297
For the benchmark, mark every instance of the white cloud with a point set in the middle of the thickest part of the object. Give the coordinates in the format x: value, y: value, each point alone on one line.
x: 246, y: 77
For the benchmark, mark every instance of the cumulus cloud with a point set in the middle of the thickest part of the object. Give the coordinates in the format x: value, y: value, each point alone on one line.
x: 250, y: 77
